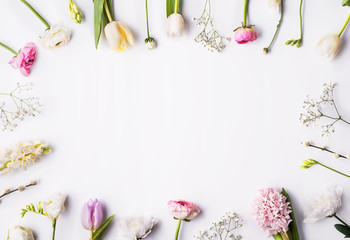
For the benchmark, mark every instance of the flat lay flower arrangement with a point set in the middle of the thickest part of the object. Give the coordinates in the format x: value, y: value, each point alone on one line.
x: 272, y: 208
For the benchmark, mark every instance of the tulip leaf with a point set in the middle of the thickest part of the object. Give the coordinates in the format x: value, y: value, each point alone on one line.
x: 346, y: 3
x: 293, y: 227
x: 98, y: 11
x: 343, y: 229
x: 97, y: 235
x: 110, y: 9
x: 170, y: 7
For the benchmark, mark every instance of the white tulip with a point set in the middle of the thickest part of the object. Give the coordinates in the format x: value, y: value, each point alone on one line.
x: 118, y: 34
x: 137, y: 227
x: 324, y: 205
x: 274, y: 3
x: 54, y: 206
x: 175, y: 25
x: 58, y: 35
x: 20, y: 233
x: 329, y: 46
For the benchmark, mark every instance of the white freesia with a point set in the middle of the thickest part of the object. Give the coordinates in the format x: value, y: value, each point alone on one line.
x: 329, y: 46
x: 324, y: 205
x: 54, y: 206
x: 20, y: 233
x: 58, y: 35
x: 137, y: 227
x: 175, y: 25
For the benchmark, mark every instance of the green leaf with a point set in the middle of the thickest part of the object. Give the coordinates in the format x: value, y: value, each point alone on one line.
x: 277, y: 237
x: 293, y: 227
x: 346, y: 3
x: 97, y: 235
x: 170, y: 5
x: 343, y: 229
x: 110, y: 8
x: 98, y: 10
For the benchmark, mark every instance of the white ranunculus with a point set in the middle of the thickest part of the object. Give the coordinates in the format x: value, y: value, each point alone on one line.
x: 329, y: 46
x: 324, y: 205
x: 175, y: 25
x: 137, y: 227
x: 54, y: 206
x: 58, y: 35
x: 20, y: 233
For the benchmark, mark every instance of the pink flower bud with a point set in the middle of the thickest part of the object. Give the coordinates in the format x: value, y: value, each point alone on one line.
x: 183, y: 210
x: 25, y: 59
x: 92, y: 215
x: 244, y: 35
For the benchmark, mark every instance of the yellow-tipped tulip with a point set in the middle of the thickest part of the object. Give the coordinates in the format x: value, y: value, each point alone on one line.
x: 118, y: 35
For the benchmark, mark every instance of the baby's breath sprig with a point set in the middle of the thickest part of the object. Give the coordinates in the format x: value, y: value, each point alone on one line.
x: 209, y: 36
x: 20, y: 188
x: 18, y: 107
x: 314, y: 111
x: 223, y: 228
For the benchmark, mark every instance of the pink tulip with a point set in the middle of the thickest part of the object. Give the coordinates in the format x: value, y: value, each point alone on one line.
x: 92, y: 215
x: 183, y: 210
x: 25, y: 59
x: 244, y: 35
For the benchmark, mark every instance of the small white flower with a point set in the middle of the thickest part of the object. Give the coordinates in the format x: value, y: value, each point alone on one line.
x: 274, y: 3
x: 175, y: 25
x: 329, y: 46
x: 20, y: 233
x: 324, y: 205
x: 137, y: 227
x: 58, y: 35
x: 54, y: 206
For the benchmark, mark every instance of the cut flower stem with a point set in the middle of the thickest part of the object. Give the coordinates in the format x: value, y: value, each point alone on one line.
x: 178, y: 230
x: 343, y: 28
x: 245, y: 13
x: 333, y: 170
x: 266, y: 50
x: 110, y: 19
x: 327, y: 150
x: 36, y: 13
x: 8, y: 48
x: 340, y: 220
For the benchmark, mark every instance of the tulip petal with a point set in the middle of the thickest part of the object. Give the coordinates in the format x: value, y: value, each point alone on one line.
x: 123, y: 44
x: 123, y: 28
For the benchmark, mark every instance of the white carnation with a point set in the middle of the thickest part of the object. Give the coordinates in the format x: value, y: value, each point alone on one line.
x: 137, y: 227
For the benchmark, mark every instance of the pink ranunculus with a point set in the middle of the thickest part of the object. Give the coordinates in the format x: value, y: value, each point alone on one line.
x: 272, y: 211
x: 244, y: 35
x: 183, y: 210
x: 92, y: 215
x: 25, y: 59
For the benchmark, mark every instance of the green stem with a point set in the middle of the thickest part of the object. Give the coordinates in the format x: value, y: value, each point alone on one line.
x: 343, y: 28
x: 333, y: 170
x: 301, y: 19
x: 108, y: 12
x: 245, y: 12
x: 335, y: 215
x: 178, y: 230
x: 8, y: 48
x: 147, y: 18
x: 54, y: 229
x: 177, y: 3
x: 278, y: 27
x: 36, y: 13
x: 91, y: 234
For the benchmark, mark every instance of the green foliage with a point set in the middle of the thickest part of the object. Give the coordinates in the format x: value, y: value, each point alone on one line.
x: 346, y: 3
x: 343, y: 229
x: 97, y: 235
x: 31, y: 208
x: 98, y: 12
x: 293, y: 227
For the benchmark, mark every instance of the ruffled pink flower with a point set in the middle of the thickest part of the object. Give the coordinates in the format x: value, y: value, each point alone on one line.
x: 272, y: 211
x: 244, y: 35
x: 183, y: 210
x: 25, y: 59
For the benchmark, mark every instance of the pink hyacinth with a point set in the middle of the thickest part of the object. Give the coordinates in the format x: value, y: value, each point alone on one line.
x: 183, y: 210
x: 244, y: 35
x: 272, y: 211
x: 25, y: 59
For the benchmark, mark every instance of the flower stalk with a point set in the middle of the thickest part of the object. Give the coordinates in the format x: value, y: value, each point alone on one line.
x: 344, y: 26
x: 245, y: 13
x: 54, y: 229
x: 8, y: 48
x: 36, y: 13
x: 108, y: 13
x: 299, y: 41
x: 340, y: 220
x: 310, y: 162
x: 178, y: 230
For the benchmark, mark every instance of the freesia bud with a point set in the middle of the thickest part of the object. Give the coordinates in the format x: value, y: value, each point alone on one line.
x: 329, y: 46
x: 118, y: 35
x: 175, y: 25
x: 150, y: 43
x: 92, y: 215
x: 20, y: 233
x: 56, y: 36
x: 183, y: 210
x: 244, y: 35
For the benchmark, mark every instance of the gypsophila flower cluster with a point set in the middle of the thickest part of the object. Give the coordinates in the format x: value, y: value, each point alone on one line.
x: 314, y: 110
x: 22, y: 155
x: 209, y: 37
x: 17, y: 106
x: 223, y: 228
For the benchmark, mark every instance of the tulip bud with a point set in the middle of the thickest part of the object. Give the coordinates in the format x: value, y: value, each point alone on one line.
x: 92, y: 215
x: 244, y: 35
x: 150, y: 43
x: 329, y: 46
x: 20, y: 233
x: 175, y: 25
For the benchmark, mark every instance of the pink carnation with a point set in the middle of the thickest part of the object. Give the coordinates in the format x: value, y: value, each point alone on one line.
x: 272, y: 211
x: 183, y: 210
x: 25, y: 59
x: 244, y: 35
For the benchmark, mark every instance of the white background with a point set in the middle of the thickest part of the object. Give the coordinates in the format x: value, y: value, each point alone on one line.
x: 142, y: 127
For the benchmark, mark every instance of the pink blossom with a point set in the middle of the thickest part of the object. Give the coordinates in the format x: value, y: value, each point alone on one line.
x: 25, y: 59
x: 272, y: 211
x: 183, y: 210
x: 244, y: 35
x: 92, y: 215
